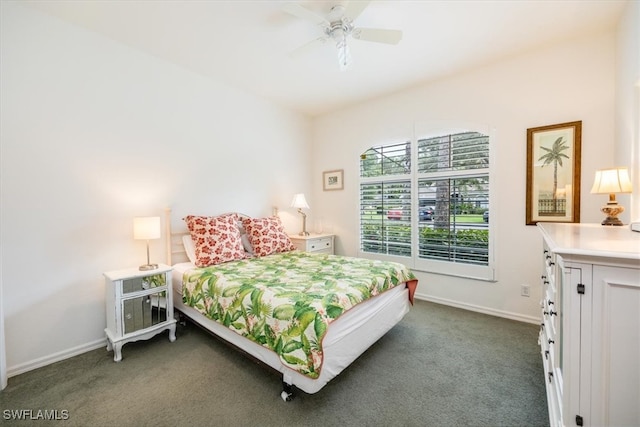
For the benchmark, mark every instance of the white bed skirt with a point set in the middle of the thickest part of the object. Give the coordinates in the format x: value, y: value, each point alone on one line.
x: 347, y: 338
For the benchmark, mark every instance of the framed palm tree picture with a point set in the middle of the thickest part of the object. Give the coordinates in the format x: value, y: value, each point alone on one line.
x: 553, y: 173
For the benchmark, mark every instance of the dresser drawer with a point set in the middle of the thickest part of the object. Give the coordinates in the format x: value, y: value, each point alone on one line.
x: 550, y: 319
x: 545, y: 349
x: 554, y: 399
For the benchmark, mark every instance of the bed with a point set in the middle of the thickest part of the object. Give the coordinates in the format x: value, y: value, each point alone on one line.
x: 308, y: 316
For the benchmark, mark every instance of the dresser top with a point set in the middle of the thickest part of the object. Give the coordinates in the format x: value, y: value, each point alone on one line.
x: 592, y: 240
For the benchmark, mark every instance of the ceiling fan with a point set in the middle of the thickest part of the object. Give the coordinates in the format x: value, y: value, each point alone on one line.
x: 338, y: 26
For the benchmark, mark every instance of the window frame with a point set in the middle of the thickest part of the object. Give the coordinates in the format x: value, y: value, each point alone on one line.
x: 449, y: 268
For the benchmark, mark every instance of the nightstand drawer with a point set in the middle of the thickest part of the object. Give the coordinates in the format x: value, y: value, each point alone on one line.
x: 137, y: 284
x: 321, y: 244
x: 318, y: 243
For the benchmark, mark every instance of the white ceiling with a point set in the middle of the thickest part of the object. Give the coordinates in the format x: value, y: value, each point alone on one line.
x: 247, y: 43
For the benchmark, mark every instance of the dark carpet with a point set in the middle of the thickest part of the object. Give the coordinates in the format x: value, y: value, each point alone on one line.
x: 440, y: 366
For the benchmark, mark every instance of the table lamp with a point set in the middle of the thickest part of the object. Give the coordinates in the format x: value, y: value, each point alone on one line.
x: 612, y: 181
x: 301, y: 203
x: 146, y: 228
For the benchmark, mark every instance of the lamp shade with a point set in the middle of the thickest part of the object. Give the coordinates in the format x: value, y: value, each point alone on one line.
x: 299, y: 202
x: 609, y: 181
x: 146, y: 227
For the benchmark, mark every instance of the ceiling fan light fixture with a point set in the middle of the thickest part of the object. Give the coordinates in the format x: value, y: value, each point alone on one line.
x: 338, y: 25
x: 344, y: 55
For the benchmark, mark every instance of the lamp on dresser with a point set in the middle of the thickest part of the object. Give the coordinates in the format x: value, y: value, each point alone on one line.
x: 300, y: 202
x: 146, y: 228
x: 612, y: 181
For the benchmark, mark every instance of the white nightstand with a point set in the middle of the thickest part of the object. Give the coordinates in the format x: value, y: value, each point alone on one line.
x: 139, y: 306
x: 315, y: 243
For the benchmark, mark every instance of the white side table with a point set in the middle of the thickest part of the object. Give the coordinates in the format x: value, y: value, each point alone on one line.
x: 315, y: 243
x: 139, y: 306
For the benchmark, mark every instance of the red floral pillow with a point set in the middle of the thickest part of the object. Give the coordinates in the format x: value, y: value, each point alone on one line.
x: 216, y: 238
x: 267, y: 235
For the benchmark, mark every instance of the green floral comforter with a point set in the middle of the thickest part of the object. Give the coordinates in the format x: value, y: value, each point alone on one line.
x: 286, y: 301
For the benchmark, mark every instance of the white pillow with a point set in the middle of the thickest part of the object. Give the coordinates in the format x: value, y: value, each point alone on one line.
x: 246, y: 243
x: 189, y: 247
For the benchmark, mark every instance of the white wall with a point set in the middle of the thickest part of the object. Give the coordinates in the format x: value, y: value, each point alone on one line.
x: 3, y: 354
x: 627, y: 137
x: 94, y: 133
x: 89, y: 131
x: 565, y: 82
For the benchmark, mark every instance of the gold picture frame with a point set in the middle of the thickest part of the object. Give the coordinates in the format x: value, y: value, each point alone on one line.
x: 553, y: 173
x: 333, y: 180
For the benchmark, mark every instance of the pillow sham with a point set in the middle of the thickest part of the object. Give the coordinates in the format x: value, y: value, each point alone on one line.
x: 267, y: 235
x: 216, y: 239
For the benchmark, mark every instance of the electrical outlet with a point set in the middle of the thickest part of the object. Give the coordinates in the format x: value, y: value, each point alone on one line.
x: 524, y: 290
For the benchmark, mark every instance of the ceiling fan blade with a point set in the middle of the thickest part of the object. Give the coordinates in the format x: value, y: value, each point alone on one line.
x: 377, y: 35
x: 355, y: 8
x: 301, y: 12
x: 308, y: 46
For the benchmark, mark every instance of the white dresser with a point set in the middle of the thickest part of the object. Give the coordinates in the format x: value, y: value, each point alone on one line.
x: 590, y: 333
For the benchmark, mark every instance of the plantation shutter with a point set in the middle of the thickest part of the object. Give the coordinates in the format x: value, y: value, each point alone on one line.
x: 458, y: 179
x: 385, y: 200
x: 427, y: 201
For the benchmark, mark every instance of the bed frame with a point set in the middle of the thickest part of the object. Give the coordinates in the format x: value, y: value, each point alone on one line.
x: 358, y: 328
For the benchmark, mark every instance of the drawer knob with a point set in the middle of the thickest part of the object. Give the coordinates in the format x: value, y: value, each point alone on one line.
x: 549, y: 302
x: 550, y: 376
x: 546, y: 354
x: 553, y: 313
x: 551, y: 341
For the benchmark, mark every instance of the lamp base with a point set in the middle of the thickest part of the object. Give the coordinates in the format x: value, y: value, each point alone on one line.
x: 304, y: 223
x: 612, y: 221
x: 612, y: 211
x: 147, y: 267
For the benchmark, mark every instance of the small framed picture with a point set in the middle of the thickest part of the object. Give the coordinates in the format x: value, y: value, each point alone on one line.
x: 333, y: 180
x: 553, y: 173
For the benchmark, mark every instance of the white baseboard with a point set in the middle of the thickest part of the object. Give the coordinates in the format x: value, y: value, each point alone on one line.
x: 57, y: 357
x: 485, y: 310
x: 12, y: 371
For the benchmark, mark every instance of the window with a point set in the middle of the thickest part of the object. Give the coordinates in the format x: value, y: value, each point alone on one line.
x: 386, y: 203
x: 427, y: 202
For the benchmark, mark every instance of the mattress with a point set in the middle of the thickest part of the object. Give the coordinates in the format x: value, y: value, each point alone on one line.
x: 347, y: 337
